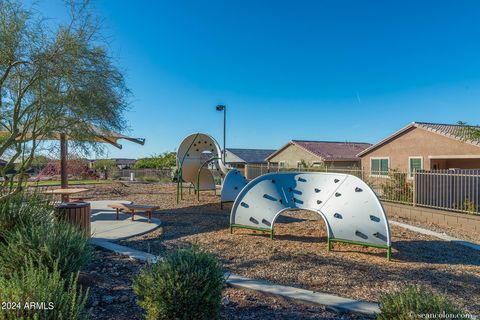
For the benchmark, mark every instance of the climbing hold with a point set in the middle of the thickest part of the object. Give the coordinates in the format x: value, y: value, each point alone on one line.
x: 338, y: 215
x: 336, y: 180
x: 317, y: 190
x: 252, y: 219
x: 361, y: 235
x: 319, y: 201
x: 357, y: 189
x: 337, y: 194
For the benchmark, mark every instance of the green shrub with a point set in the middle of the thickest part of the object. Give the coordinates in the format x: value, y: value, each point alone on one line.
x: 412, y: 302
x: 45, y: 244
x: 188, y: 284
x: 149, y: 179
x: 33, y: 283
x: 24, y: 211
x: 397, y: 187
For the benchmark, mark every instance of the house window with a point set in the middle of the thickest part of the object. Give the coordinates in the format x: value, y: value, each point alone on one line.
x: 414, y: 164
x: 281, y: 164
x: 379, y: 166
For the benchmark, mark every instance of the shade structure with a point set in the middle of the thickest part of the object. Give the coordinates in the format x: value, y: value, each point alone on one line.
x: 96, y: 134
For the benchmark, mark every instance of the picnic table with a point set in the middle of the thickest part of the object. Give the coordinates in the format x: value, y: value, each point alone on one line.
x: 133, y: 208
x: 65, y: 192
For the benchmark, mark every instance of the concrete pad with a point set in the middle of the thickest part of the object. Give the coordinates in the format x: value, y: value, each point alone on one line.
x: 439, y: 235
x: 332, y: 301
x: 104, y: 225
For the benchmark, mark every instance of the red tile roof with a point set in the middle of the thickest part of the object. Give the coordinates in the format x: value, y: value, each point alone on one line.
x: 330, y: 150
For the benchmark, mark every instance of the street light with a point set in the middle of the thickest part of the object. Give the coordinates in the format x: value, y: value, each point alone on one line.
x: 223, y: 108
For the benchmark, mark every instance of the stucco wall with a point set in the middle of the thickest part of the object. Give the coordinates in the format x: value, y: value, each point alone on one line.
x: 292, y: 153
x: 419, y: 142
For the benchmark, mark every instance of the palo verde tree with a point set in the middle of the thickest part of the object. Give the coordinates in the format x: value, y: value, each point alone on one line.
x: 468, y: 132
x: 53, y: 79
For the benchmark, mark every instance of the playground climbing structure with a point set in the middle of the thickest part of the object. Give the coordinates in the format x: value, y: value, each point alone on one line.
x: 350, y: 209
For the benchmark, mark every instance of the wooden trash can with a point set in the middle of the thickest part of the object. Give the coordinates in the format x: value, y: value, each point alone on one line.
x: 77, y: 213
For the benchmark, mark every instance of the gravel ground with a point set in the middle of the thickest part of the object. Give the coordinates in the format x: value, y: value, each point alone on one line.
x: 109, y: 278
x: 298, y: 256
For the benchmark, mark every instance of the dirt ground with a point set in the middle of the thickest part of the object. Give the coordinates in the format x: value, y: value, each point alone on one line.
x: 109, y: 278
x: 298, y: 255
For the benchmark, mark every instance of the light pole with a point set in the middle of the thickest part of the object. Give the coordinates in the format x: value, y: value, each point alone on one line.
x: 223, y: 108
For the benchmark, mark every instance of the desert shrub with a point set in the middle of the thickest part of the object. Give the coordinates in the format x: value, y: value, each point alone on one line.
x: 24, y: 211
x: 149, y: 179
x: 397, y: 188
x: 33, y: 283
x: 469, y: 206
x: 45, y: 244
x: 412, y: 302
x: 187, y: 284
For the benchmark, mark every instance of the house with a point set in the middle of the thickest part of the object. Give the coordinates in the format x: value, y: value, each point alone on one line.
x: 299, y: 153
x: 238, y: 158
x: 422, y: 145
x: 123, y: 163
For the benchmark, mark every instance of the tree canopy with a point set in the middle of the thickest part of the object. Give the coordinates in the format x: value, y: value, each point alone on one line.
x: 54, y: 79
x: 165, y: 160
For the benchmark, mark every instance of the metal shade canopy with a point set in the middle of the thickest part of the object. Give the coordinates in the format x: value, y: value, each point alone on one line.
x: 97, y: 135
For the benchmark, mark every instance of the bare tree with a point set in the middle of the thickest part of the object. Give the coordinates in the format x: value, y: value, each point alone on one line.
x: 53, y: 80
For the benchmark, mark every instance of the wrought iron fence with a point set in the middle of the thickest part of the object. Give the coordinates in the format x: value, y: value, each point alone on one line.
x: 148, y: 175
x: 453, y: 190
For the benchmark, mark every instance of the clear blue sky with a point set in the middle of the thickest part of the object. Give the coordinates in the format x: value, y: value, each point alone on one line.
x: 318, y: 70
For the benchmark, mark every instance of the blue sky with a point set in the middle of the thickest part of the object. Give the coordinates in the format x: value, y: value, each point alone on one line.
x: 317, y: 70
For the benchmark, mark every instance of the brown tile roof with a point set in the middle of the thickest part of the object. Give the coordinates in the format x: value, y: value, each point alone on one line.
x: 329, y: 150
x: 449, y: 130
x: 453, y: 131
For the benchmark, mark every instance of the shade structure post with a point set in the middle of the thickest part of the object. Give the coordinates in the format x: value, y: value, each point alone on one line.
x: 63, y: 164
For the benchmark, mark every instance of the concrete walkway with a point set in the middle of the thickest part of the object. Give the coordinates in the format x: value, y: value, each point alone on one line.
x: 334, y: 302
x: 105, y: 226
x: 439, y: 235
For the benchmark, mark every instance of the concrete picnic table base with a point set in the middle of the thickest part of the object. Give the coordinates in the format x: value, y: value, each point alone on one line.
x: 104, y: 225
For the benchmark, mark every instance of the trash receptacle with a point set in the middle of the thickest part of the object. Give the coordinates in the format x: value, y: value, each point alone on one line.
x: 77, y: 213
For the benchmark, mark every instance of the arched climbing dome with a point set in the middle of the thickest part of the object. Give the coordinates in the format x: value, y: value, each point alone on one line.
x: 351, y: 210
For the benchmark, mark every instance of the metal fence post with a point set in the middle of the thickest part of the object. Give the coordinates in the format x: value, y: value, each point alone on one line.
x: 414, y: 187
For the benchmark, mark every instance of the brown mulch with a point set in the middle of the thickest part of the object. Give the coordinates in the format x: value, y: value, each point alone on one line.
x: 109, y: 278
x: 298, y: 255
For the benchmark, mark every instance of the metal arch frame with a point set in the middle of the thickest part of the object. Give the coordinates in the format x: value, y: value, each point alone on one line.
x: 330, y: 239
x: 198, y: 174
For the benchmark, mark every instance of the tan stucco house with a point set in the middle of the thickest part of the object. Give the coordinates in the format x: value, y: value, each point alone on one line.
x: 421, y: 145
x: 298, y: 153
